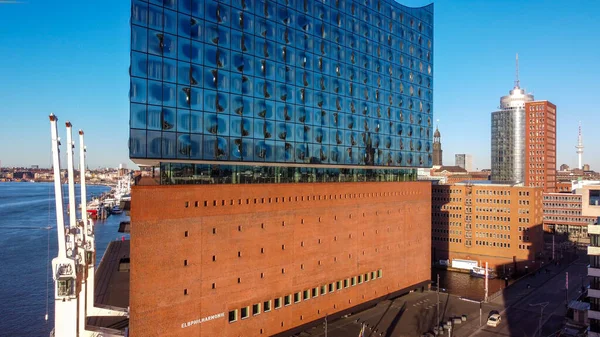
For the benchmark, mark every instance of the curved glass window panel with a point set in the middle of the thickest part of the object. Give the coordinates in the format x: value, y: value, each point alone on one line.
x: 301, y: 152
x: 195, y: 146
x: 217, y: 12
x: 169, y: 94
x: 184, y: 146
x: 237, y: 127
x: 211, y: 123
x: 167, y: 118
x: 155, y: 92
x: 282, y: 132
x: 260, y: 150
x: 139, y: 13
x: 184, y: 28
x: 197, y: 29
x: 139, y: 38
x: 184, y: 96
x: 321, y: 135
x: 284, y: 112
x: 210, y: 98
x: 139, y: 64
x: 196, y: 119
x: 169, y: 45
x: 196, y: 75
x: 185, y: 6
x: 169, y: 68
x: 290, y: 153
x: 223, y: 79
x: 169, y: 145
x: 247, y: 148
x: 209, y: 147
x: 138, y: 116
x: 185, y: 49
x: 154, y: 117
x: 138, y: 90
x: 137, y: 143
x: 223, y: 124
x: 154, y: 146
x: 155, y: 17
x: 319, y: 117
x: 154, y: 68
x: 183, y: 120
x: 336, y: 155
x: 222, y: 148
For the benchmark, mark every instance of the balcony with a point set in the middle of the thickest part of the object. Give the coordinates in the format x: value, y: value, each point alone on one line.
x: 593, y: 314
x: 593, y: 250
x: 595, y: 272
x: 593, y: 229
x: 595, y: 293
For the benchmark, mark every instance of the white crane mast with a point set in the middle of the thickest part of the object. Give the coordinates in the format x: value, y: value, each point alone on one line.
x: 88, y: 229
x: 64, y: 271
x: 75, y: 229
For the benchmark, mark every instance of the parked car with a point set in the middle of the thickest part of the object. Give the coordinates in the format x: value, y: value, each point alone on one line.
x: 494, y: 320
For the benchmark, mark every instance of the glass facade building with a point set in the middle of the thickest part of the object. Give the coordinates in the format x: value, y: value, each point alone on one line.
x: 508, y: 137
x: 333, y: 85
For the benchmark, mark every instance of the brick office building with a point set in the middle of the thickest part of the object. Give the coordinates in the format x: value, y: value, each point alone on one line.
x: 563, y: 214
x: 540, y: 145
x: 479, y: 221
x: 287, y: 135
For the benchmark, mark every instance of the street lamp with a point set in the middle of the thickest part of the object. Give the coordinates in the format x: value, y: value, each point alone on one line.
x: 542, y: 305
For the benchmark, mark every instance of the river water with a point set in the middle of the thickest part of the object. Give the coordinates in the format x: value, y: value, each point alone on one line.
x: 462, y: 284
x: 27, y: 250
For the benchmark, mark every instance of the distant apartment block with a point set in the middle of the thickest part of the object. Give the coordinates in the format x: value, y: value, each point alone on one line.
x: 464, y: 160
x: 563, y: 187
x: 540, y: 145
x: 594, y: 275
x: 496, y: 223
x: 563, y: 214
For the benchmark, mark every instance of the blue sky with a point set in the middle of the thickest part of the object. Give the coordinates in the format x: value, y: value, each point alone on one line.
x: 72, y: 58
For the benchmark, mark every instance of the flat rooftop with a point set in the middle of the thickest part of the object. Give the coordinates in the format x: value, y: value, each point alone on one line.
x: 112, y: 285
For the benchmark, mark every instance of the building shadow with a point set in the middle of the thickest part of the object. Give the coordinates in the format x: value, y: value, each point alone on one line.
x: 537, y: 288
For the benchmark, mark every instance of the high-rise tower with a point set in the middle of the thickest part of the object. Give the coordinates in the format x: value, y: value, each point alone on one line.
x: 508, y: 135
x: 579, y: 148
x: 437, y: 147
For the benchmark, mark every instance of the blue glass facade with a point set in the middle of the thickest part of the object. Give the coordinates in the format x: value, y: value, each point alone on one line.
x: 302, y: 82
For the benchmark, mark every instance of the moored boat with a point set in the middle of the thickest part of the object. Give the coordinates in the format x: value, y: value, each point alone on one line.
x: 480, y: 272
x: 116, y: 210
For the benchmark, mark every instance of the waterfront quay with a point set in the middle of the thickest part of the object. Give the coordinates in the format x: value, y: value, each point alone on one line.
x: 520, y: 306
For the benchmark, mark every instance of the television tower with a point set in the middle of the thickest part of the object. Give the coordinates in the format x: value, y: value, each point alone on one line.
x: 579, y: 148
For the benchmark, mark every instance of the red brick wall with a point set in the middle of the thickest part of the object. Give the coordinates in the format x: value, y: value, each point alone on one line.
x: 333, y: 231
x: 540, y: 145
x: 450, y: 213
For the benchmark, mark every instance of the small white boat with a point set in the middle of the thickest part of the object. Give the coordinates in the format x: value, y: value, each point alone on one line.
x: 480, y: 272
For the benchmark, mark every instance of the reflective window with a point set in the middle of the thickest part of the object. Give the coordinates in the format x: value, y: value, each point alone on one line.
x: 294, y: 82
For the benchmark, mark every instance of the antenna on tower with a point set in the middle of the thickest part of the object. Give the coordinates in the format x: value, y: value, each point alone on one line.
x: 517, y: 72
x: 437, y: 125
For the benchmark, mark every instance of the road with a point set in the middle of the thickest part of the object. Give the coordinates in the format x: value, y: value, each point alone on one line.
x: 522, y: 318
x: 410, y: 315
x: 415, y: 313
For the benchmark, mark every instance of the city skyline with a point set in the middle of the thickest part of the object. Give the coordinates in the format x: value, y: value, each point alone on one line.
x: 82, y: 74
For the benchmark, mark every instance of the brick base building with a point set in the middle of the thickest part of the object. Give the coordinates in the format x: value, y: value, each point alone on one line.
x: 233, y: 260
